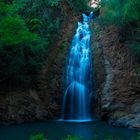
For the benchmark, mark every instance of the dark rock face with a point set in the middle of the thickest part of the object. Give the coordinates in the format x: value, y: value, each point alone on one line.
x: 98, y: 69
x: 20, y: 106
x: 52, y: 78
x: 119, y: 94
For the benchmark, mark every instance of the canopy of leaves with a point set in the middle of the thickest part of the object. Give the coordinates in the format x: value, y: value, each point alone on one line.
x: 21, y: 51
x: 78, y: 5
x: 27, y: 29
x: 126, y: 15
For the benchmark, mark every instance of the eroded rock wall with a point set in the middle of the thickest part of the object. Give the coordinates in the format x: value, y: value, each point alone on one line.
x: 119, y: 92
x: 53, y: 73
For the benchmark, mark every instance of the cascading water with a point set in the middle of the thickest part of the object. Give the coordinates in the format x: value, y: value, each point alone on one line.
x: 76, y: 102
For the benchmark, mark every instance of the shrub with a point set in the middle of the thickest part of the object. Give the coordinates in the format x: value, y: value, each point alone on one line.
x: 21, y: 51
x: 126, y: 15
x: 27, y: 29
x: 37, y: 137
x: 53, y: 3
x: 78, y: 5
x: 70, y: 137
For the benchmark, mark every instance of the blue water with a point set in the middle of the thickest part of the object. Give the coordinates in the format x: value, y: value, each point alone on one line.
x: 57, y: 130
x: 76, y: 102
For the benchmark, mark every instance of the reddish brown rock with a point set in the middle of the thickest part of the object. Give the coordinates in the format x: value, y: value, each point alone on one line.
x: 119, y: 92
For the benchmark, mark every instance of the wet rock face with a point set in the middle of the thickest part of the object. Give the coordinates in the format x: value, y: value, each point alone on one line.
x: 120, y: 95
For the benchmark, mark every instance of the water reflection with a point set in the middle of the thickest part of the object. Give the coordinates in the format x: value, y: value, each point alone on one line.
x: 55, y: 130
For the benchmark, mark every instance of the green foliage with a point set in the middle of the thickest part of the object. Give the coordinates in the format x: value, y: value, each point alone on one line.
x: 34, y: 24
x: 43, y: 17
x: 131, y: 11
x: 138, y: 137
x: 78, y: 5
x: 6, y: 10
x: 113, y: 11
x: 70, y: 137
x: 126, y: 15
x: 41, y: 136
x: 121, y: 12
x: 53, y: 3
x: 21, y: 51
x: 135, y: 48
x: 14, y: 32
x: 37, y: 137
x: 27, y: 29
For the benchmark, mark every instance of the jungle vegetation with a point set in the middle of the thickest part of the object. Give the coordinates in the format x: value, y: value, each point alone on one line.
x: 28, y: 28
x: 125, y: 14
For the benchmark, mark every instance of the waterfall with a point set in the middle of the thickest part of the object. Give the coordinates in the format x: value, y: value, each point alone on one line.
x: 76, y: 102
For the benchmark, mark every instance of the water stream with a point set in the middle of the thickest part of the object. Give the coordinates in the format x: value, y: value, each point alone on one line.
x: 76, y: 102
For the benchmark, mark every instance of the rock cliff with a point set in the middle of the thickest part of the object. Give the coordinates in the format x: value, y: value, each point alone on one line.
x: 118, y: 81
